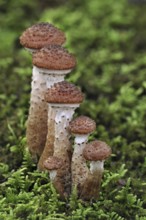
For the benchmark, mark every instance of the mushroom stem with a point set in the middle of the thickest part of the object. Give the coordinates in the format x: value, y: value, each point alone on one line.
x: 36, y: 124
x: 53, y: 174
x: 91, y: 186
x: 53, y: 76
x: 96, y: 165
x: 79, y: 168
x: 81, y: 138
x: 49, y: 145
x: 62, y: 145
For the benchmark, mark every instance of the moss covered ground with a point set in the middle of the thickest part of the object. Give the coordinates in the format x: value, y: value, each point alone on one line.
x: 109, y: 41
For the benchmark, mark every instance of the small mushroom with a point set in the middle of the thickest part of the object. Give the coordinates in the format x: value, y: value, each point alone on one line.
x: 96, y: 152
x: 64, y: 98
x: 35, y: 38
x: 53, y: 164
x: 80, y: 127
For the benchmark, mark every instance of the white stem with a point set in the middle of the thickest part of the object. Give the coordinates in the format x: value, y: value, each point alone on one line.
x: 52, y: 79
x: 81, y: 138
x: 63, y: 117
x: 38, y: 86
x: 79, y: 167
x: 53, y: 174
x: 53, y: 76
x: 96, y: 165
x: 80, y: 142
x: 62, y: 145
x: 49, y: 145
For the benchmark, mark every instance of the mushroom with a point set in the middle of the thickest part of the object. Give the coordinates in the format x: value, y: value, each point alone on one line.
x: 35, y: 38
x: 80, y: 127
x: 53, y: 164
x: 96, y: 152
x: 41, y: 35
x: 64, y: 98
x: 54, y: 62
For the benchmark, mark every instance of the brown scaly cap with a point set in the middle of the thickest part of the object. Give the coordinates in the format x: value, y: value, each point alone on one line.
x: 82, y: 125
x: 54, y: 57
x: 96, y: 150
x: 64, y: 93
x: 53, y: 163
x: 40, y: 35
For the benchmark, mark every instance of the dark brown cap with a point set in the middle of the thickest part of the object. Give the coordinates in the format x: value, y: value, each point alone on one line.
x: 40, y: 35
x: 96, y: 150
x: 54, y: 57
x: 53, y: 163
x: 82, y: 125
x: 64, y: 93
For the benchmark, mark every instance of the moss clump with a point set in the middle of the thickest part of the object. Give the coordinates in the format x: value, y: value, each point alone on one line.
x: 108, y: 38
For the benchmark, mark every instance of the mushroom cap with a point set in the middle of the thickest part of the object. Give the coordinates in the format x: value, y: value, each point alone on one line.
x: 40, y: 35
x: 82, y: 125
x: 53, y: 163
x: 54, y: 57
x: 64, y: 93
x: 96, y: 150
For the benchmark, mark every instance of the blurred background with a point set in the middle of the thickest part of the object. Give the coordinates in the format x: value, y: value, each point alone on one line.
x: 108, y: 39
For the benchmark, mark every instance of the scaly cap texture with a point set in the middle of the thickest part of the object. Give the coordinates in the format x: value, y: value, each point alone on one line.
x: 64, y: 93
x: 82, y: 125
x: 54, y: 57
x: 96, y: 150
x: 53, y: 163
x: 40, y: 35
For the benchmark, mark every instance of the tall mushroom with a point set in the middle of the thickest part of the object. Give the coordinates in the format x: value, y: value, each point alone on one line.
x: 80, y: 127
x: 96, y: 152
x: 33, y: 39
x: 53, y: 164
x: 54, y: 62
x: 64, y: 98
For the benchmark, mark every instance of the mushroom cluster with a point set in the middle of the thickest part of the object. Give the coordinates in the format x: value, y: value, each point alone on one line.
x: 33, y: 39
x: 50, y: 123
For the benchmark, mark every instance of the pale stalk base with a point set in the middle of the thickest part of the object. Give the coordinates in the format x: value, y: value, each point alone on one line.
x: 55, y: 179
x: 78, y: 165
x: 64, y: 173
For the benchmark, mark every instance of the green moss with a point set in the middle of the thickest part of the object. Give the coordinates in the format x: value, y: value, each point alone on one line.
x: 108, y: 39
